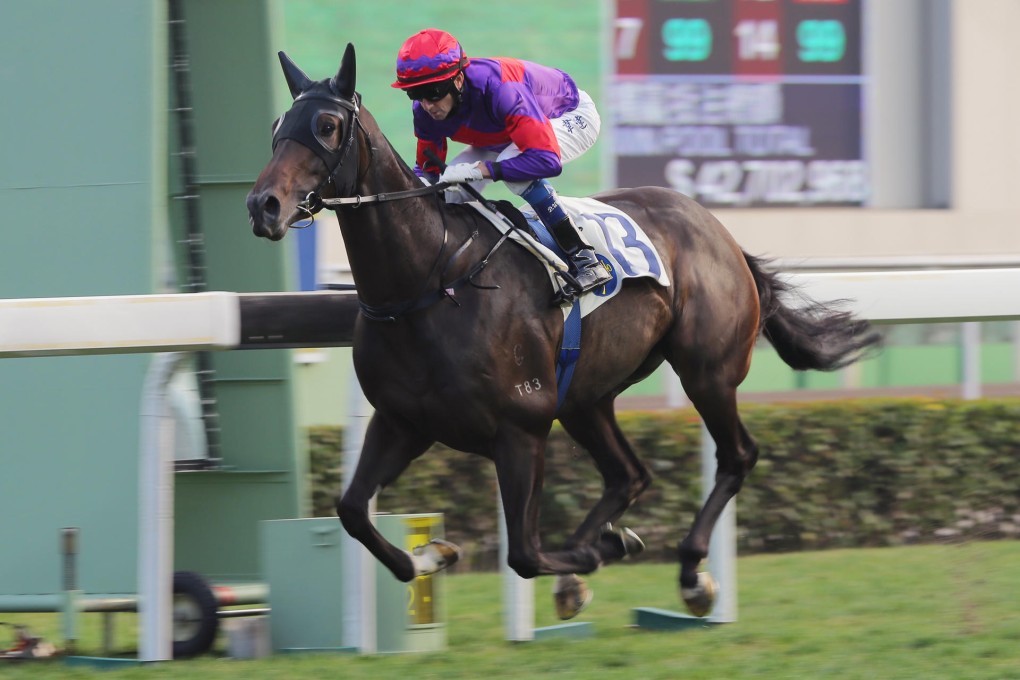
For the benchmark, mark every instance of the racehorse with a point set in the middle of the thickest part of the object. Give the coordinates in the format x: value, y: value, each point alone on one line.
x: 454, y: 321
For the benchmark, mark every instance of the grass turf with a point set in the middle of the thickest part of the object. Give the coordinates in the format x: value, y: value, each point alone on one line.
x: 929, y: 611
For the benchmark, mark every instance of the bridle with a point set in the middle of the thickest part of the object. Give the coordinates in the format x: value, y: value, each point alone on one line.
x: 292, y: 126
x: 342, y: 169
x: 341, y: 163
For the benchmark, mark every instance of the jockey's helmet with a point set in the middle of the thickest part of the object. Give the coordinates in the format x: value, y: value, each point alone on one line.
x: 430, y: 58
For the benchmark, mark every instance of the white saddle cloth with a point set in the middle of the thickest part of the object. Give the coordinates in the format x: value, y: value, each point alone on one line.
x: 620, y: 244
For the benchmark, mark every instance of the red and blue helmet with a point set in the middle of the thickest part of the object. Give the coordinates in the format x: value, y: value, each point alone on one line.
x: 428, y: 56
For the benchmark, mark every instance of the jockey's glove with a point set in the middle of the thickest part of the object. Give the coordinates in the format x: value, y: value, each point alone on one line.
x: 461, y: 172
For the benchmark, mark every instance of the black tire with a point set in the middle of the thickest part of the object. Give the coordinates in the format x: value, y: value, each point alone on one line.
x: 196, y: 621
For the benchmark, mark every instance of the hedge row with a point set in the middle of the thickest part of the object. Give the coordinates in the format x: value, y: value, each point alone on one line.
x: 831, y: 474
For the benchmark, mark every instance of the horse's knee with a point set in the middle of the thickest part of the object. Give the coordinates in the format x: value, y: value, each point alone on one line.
x: 352, y: 514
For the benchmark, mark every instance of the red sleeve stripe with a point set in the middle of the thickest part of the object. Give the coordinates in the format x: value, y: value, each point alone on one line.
x: 511, y: 70
x: 529, y: 133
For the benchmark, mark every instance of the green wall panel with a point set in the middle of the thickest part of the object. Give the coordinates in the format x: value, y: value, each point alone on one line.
x: 232, y: 53
x: 251, y: 413
x: 233, y: 135
x: 78, y: 83
x: 238, y: 260
x: 217, y: 520
x: 83, y: 193
x: 68, y: 460
x: 322, y: 390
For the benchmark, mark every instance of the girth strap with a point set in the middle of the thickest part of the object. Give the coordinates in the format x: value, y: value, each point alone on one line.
x: 570, y: 350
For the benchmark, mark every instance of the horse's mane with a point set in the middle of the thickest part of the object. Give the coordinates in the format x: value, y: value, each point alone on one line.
x: 404, y: 167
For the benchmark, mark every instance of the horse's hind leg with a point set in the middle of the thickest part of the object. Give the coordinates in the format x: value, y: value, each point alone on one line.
x: 520, y: 460
x: 736, y: 454
x: 624, y: 478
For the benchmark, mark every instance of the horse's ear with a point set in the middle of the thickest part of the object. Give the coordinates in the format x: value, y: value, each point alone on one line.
x: 297, y: 81
x: 347, y: 74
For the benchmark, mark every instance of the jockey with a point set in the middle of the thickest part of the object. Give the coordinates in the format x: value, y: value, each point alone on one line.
x: 520, y: 121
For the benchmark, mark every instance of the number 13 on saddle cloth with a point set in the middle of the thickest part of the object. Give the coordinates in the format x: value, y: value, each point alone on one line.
x: 620, y: 244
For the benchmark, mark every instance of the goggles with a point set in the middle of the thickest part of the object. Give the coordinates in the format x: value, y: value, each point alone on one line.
x: 431, y: 92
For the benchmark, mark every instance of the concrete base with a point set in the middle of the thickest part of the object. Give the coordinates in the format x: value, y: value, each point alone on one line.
x: 652, y: 618
x: 581, y: 629
x: 102, y: 661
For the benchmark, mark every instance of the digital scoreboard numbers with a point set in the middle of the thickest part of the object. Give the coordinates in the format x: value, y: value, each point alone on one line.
x: 740, y: 103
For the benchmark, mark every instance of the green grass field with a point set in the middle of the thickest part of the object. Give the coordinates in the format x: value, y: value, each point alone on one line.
x: 917, y: 612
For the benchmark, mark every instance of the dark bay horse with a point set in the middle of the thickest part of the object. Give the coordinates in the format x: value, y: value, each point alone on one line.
x: 451, y: 328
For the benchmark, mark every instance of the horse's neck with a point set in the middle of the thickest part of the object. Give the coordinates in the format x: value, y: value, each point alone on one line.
x: 392, y: 245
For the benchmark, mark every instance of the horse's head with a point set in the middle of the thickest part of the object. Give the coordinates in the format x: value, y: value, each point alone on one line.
x: 314, y: 149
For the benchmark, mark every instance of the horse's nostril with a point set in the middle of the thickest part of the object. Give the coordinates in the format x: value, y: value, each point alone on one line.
x: 271, y: 207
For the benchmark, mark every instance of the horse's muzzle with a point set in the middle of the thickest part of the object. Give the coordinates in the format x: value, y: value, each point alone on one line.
x: 264, y: 215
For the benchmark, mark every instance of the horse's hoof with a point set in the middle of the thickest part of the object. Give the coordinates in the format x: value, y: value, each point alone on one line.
x: 571, y: 595
x: 700, y: 598
x: 624, y: 542
x: 434, y: 556
x: 632, y: 543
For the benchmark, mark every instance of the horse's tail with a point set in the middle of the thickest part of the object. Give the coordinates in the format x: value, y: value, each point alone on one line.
x: 815, y: 335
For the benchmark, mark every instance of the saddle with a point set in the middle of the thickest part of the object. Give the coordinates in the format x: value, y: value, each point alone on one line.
x: 619, y: 242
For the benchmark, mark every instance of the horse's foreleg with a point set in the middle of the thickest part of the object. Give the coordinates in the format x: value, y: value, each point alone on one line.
x: 388, y: 449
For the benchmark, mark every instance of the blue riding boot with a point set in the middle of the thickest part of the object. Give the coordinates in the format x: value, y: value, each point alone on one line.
x: 584, y: 265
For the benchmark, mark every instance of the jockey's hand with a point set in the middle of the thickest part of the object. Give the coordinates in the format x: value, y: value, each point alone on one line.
x: 456, y: 194
x: 461, y: 172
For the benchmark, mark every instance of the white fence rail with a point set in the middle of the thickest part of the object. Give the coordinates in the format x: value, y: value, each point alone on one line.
x: 212, y: 321
x: 920, y: 296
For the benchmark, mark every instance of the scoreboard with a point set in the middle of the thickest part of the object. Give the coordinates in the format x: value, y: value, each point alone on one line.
x: 740, y: 103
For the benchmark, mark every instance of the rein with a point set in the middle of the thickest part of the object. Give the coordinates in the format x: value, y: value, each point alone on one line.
x: 314, y: 203
x: 358, y: 200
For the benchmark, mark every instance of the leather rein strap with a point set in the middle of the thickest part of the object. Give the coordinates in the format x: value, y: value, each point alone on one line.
x: 314, y: 203
x: 358, y: 201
